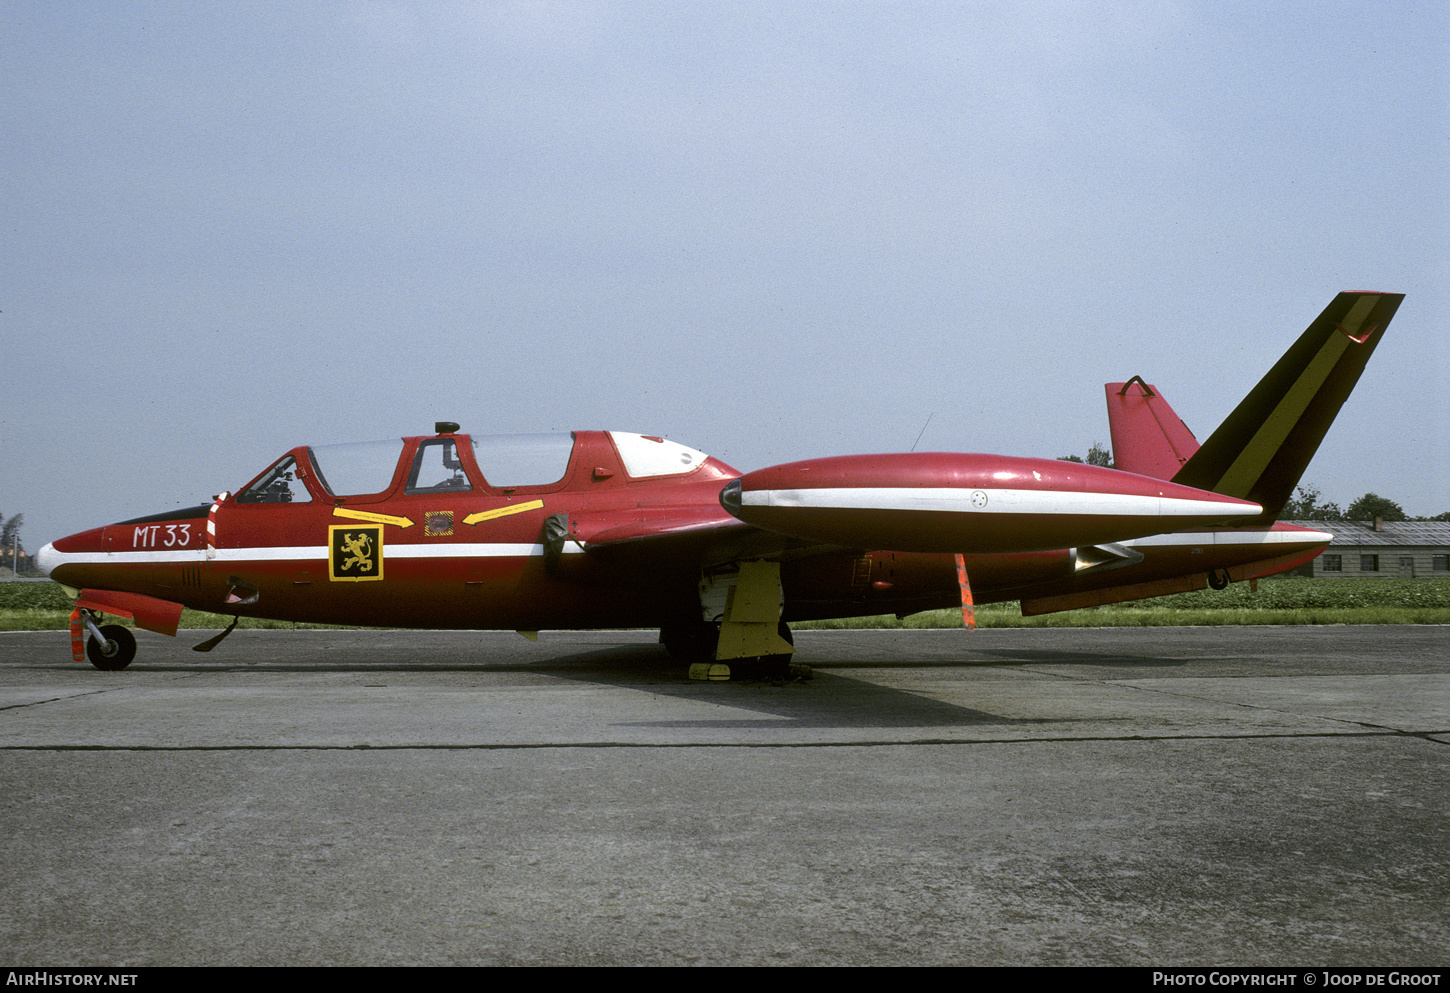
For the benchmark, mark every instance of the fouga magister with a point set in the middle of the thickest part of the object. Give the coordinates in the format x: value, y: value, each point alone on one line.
x: 606, y: 529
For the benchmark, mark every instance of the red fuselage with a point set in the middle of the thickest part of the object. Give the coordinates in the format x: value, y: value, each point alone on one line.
x: 636, y: 521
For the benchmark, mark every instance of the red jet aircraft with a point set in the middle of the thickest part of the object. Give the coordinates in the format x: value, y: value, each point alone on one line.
x: 603, y: 529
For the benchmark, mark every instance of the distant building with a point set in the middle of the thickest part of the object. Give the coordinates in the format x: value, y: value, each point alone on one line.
x: 1381, y: 550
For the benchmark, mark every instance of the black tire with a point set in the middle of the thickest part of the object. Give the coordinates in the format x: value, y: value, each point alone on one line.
x: 691, y: 642
x: 776, y: 668
x: 1218, y: 580
x: 117, y: 651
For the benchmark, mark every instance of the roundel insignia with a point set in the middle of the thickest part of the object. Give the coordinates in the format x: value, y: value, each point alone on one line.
x: 979, y: 499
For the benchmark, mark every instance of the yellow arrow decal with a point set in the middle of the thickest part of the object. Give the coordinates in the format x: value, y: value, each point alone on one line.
x: 489, y: 515
x: 363, y: 515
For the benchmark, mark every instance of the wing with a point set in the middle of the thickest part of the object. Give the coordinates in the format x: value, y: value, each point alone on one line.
x: 667, y: 538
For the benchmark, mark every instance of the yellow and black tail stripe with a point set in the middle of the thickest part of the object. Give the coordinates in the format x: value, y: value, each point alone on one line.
x: 1262, y: 448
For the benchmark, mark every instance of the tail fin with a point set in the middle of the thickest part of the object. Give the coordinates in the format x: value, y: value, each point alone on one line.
x: 1148, y: 437
x: 1259, y: 452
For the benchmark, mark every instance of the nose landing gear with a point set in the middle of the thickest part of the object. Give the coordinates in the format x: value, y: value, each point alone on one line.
x: 110, y: 647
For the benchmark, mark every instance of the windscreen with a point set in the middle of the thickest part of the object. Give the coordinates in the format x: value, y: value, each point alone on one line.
x: 278, y: 485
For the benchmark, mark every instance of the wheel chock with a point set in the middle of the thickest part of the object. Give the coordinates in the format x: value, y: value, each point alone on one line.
x: 716, y: 672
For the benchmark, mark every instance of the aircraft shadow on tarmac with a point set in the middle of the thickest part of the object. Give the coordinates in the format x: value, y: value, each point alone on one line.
x: 1128, y: 662
x: 827, y: 700
x: 631, y: 660
x: 831, y: 699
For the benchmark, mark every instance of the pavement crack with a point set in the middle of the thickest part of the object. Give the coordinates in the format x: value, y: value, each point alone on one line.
x: 757, y: 746
x: 59, y: 699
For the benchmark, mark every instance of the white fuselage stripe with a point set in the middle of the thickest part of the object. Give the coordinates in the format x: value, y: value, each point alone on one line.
x: 994, y: 501
x: 301, y: 553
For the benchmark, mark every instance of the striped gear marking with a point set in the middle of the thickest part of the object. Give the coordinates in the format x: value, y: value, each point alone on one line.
x: 77, y: 640
x: 969, y: 613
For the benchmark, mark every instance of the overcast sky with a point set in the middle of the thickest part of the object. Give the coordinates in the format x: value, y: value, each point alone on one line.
x: 770, y: 231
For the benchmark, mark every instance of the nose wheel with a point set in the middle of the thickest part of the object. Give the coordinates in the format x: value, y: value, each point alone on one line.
x: 115, y: 652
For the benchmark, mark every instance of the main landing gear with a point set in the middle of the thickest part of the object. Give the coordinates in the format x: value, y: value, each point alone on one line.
x: 739, y: 632
x: 697, y: 643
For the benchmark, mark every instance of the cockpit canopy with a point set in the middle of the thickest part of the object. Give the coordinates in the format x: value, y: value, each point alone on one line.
x: 505, y: 461
x: 523, y: 459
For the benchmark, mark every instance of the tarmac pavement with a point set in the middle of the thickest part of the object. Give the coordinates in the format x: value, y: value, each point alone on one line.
x: 1145, y: 796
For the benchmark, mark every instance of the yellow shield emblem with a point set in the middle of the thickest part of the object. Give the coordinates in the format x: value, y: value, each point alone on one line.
x: 355, y: 553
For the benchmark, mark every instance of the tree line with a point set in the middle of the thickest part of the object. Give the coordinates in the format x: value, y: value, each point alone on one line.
x: 10, y: 530
x: 1307, y: 505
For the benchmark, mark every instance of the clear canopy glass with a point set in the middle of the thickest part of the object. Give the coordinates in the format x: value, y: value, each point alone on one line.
x: 512, y: 460
x: 358, y: 468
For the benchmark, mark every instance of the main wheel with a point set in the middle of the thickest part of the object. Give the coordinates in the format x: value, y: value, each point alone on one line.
x: 691, y: 642
x: 783, y: 667
x: 775, y: 668
x: 116, y: 652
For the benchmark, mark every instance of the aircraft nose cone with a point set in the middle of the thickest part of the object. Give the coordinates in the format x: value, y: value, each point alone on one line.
x: 48, y: 558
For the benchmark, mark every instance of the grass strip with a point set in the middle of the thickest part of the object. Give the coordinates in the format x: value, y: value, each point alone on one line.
x: 1285, y: 600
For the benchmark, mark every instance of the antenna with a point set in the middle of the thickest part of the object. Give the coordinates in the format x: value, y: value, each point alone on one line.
x: 922, y: 431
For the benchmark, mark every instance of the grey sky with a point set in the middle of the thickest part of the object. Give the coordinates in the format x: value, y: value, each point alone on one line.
x: 770, y: 231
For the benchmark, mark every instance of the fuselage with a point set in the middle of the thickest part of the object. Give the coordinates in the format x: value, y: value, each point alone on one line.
x: 591, y: 529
